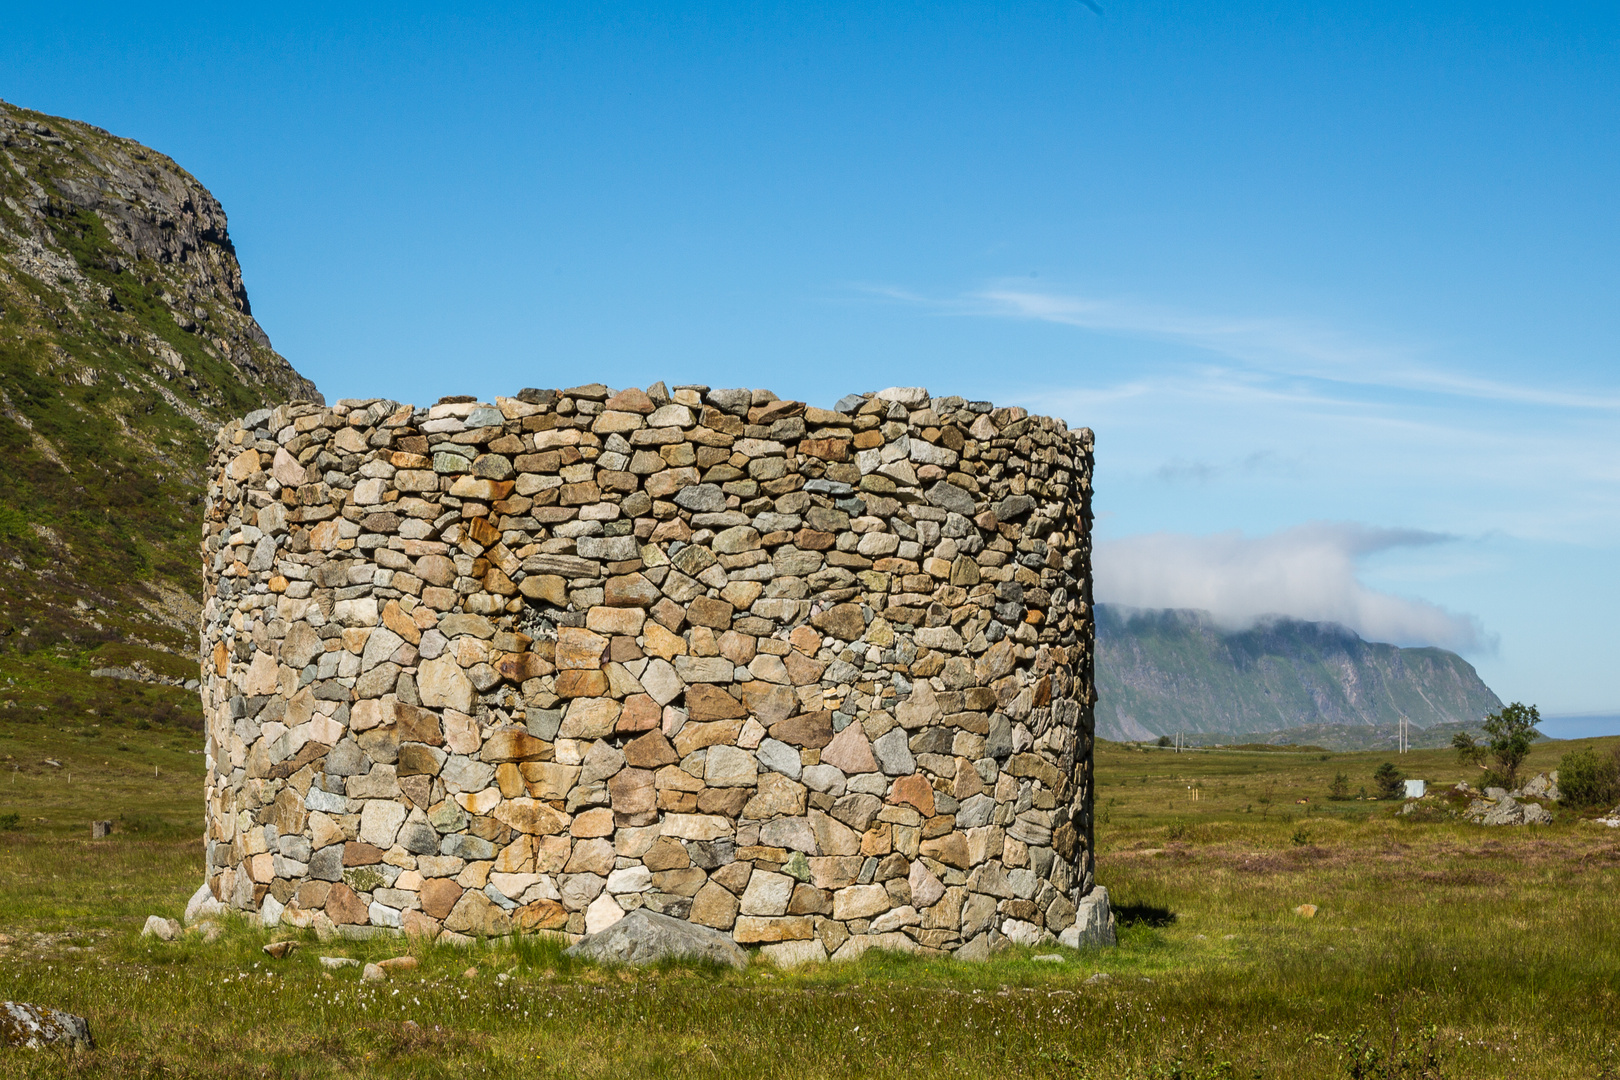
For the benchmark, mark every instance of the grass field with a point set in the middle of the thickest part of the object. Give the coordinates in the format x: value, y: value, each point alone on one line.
x: 1438, y: 949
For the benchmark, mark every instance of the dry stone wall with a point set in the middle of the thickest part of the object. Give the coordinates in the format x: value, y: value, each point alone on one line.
x: 817, y: 678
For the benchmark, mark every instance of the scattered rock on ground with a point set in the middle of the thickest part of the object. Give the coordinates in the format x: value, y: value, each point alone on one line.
x: 1306, y: 911
x: 373, y: 973
x: 1098, y: 979
x: 1048, y: 958
x: 335, y: 962
x: 1093, y: 922
x: 159, y: 927
x: 35, y: 1026
x: 644, y: 937
x: 398, y: 963
x: 281, y: 949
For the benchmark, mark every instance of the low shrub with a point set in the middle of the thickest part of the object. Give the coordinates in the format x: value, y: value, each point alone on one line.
x: 1588, y: 779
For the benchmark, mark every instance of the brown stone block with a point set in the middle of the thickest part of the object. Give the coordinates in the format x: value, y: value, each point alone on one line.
x: 706, y: 702
x: 678, y: 802
x: 477, y: 915
x: 666, y: 854
x: 851, y: 751
x: 950, y: 849
x: 913, y: 790
x: 359, y: 854
x: 439, y: 896
x: 633, y: 795
x: 590, y: 718
x: 579, y: 494
x: 532, y: 816
x: 706, y: 611
x: 878, y: 840
x: 810, y: 730
x: 540, y: 915
x: 680, y: 882
x: 630, y: 591
x: 597, y: 821
x: 521, y: 667
x: 641, y: 713
x: 576, y: 683
x: 579, y: 649
x: 714, y: 906
x: 549, y: 588
x: 842, y: 621
x: 414, y: 724
x: 772, y: 703
x: 695, y: 736
x: 649, y: 751
x: 727, y: 802
x: 344, y: 907
x: 826, y: 449
x: 514, y: 744
x: 759, y: 929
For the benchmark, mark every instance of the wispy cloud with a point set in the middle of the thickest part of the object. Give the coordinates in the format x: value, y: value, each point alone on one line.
x: 1282, y: 346
x: 1306, y: 572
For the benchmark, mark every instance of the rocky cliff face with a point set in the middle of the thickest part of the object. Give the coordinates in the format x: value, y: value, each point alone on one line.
x: 126, y: 339
x: 1161, y: 672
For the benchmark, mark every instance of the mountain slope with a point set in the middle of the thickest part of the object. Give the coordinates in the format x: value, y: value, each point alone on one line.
x: 1160, y: 672
x: 126, y: 338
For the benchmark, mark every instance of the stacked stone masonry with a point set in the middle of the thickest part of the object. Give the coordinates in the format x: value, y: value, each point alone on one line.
x: 798, y: 674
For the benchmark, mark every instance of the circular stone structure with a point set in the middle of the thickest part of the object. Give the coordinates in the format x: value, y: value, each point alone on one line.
x: 818, y: 678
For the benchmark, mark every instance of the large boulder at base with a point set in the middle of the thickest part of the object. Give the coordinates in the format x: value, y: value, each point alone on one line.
x: 34, y: 1026
x: 1093, y: 922
x: 645, y: 937
x: 203, y: 905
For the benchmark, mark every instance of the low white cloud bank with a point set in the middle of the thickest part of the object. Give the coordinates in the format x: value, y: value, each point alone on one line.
x: 1306, y: 572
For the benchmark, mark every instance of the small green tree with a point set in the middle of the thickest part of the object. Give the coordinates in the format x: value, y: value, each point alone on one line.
x: 1164, y: 740
x: 1588, y: 779
x: 1469, y: 752
x: 1510, y: 731
x: 1390, y: 781
x: 1340, y: 788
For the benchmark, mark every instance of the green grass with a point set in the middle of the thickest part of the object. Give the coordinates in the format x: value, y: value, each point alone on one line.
x: 1496, y: 949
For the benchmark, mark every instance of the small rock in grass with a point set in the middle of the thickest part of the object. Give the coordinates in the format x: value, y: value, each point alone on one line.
x: 1048, y: 958
x: 335, y: 962
x: 159, y: 927
x: 470, y: 973
x: 373, y: 973
x: 398, y: 963
x: 281, y: 949
x: 209, y: 930
x: 34, y: 1026
x: 1306, y: 911
x: 1098, y: 979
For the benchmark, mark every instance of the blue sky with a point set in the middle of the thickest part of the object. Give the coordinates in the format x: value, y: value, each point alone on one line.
x: 1335, y: 287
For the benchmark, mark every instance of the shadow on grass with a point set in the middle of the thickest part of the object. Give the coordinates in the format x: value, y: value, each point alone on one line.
x: 1143, y: 915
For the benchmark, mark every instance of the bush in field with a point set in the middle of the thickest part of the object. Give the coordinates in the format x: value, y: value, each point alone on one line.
x: 1587, y: 778
x: 1390, y: 781
x: 1340, y: 788
x: 1511, y: 730
x: 1469, y: 751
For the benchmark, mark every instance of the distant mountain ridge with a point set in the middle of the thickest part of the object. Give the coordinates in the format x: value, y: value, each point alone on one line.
x: 1164, y: 671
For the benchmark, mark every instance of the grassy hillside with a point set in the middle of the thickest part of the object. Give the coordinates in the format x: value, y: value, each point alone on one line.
x: 126, y: 337
x: 1161, y: 672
